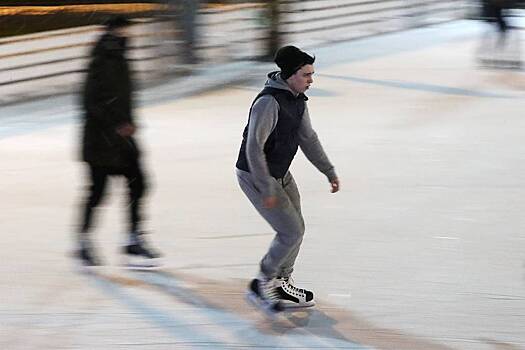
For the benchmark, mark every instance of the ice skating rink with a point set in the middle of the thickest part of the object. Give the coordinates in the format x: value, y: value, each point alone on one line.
x: 423, y: 248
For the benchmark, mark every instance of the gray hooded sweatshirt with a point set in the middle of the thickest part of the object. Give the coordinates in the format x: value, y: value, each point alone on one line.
x: 263, y: 119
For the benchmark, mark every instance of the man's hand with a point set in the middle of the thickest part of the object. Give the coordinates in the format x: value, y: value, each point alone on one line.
x: 335, y: 185
x: 126, y: 130
x: 270, y: 202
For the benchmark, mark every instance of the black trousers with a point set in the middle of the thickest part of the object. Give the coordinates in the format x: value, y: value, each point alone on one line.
x: 98, y: 176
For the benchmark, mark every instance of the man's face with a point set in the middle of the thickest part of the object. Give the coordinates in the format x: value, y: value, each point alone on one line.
x: 302, y: 79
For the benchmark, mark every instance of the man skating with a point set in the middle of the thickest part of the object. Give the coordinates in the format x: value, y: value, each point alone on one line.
x: 278, y: 124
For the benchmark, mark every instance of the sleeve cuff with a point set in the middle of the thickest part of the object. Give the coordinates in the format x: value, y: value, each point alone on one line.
x: 331, y: 175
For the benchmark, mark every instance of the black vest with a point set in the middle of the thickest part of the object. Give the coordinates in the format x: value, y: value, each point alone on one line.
x: 282, y: 144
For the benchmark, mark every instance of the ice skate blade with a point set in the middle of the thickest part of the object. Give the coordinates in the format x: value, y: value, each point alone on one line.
x: 139, y: 263
x: 82, y: 268
x: 291, y: 306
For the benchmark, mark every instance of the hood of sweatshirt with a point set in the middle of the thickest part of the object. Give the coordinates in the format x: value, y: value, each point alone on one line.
x: 275, y: 81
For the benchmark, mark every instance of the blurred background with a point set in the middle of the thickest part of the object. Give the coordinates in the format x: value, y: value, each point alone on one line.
x: 45, y: 44
x: 419, y: 104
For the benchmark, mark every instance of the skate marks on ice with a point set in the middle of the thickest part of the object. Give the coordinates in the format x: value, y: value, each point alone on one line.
x: 497, y: 345
x: 181, y: 331
x: 39, y: 323
x: 418, y: 86
x: 227, y: 321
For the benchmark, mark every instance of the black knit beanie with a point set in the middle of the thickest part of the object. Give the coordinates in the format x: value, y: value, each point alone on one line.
x: 290, y: 59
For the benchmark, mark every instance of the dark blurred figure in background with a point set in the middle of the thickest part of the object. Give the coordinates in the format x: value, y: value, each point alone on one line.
x: 184, y: 13
x: 496, y: 50
x: 108, y: 147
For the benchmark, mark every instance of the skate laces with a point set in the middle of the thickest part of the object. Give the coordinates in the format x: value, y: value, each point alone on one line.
x: 268, y: 290
x: 287, y: 289
x: 288, y: 284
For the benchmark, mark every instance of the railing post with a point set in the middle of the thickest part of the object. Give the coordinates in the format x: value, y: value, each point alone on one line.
x: 184, y: 15
x: 274, y: 39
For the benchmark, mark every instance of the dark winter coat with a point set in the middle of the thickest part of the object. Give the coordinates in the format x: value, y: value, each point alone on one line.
x: 107, y: 102
x: 491, y: 9
x: 282, y: 144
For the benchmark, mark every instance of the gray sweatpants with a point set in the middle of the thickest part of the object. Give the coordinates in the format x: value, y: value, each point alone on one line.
x: 286, y: 219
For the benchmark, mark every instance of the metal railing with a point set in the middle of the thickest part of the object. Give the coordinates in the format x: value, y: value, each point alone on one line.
x: 313, y: 22
x: 54, y: 62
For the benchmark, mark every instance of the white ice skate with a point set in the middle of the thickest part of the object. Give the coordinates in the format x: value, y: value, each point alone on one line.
x: 139, y: 256
x: 292, y: 297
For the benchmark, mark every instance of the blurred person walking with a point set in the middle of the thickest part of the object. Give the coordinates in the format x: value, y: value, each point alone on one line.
x: 495, y: 49
x: 278, y: 124
x: 108, y: 145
